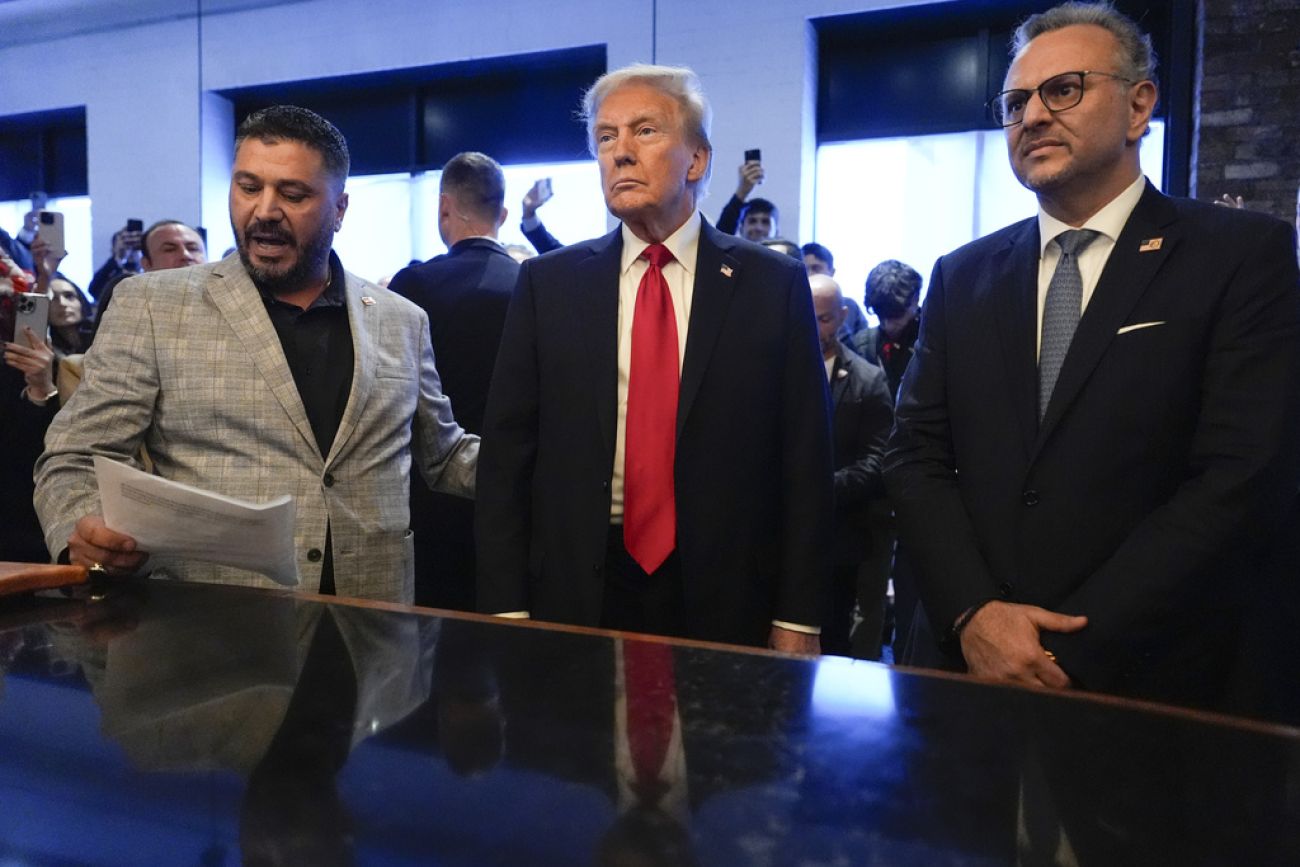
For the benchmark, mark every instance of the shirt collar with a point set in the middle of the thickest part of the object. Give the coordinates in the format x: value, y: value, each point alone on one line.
x: 494, y: 241
x: 684, y: 244
x: 1109, y: 221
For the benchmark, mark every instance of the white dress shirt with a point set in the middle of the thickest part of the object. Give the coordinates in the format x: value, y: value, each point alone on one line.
x: 1109, y: 221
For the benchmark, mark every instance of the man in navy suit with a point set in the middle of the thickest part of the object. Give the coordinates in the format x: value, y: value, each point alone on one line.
x: 1100, y: 424
x: 466, y: 292
x: 658, y: 421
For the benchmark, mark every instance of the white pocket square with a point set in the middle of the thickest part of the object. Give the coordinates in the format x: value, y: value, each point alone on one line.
x: 1127, y: 328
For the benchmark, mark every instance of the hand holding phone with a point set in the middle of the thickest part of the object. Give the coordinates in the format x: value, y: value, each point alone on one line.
x: 21, y: 311
x: 49, y: 228
x: 751, y: 173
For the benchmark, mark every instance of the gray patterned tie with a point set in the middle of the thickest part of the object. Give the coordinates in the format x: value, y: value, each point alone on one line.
x: 1061, y: 311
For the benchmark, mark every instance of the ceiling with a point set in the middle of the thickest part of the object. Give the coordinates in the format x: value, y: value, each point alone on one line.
x: 28, y: 21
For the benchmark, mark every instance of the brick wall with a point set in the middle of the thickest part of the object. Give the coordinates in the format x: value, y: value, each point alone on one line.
x: 1247, y: 139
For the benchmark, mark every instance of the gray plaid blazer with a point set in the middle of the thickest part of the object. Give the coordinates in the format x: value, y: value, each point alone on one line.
x: 188, y: 364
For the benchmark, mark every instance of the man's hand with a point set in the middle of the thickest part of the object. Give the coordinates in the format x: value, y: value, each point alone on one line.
x: 789, y: 641
x: 1229, y: 202
x: 36, y: 361
x: 538, y: 195
x: 93, y: 544
x: 1001, y: 643
x: 751, y: 175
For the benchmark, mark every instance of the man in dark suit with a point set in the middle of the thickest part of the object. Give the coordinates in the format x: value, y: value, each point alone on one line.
x: 618, y: 492
x: 466, y: 292
x: 862, y: 414
x: 1085, y: 509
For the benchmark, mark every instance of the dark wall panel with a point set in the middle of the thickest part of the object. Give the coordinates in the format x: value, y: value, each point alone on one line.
x: 517, y: 109
x: 43, y: 151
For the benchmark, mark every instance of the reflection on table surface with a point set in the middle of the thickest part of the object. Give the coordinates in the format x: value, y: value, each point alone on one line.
x: 171, y: 723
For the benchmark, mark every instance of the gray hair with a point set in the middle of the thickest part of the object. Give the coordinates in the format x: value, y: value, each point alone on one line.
x: 677, y: 82
x: 1137, y: 59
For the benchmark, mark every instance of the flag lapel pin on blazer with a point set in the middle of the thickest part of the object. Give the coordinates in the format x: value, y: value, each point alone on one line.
x: 367, y: 301
x: 1150, y: 245
x: 726, y: 270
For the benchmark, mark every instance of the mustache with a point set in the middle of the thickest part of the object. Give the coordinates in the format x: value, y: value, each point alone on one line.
x: 266, y: 229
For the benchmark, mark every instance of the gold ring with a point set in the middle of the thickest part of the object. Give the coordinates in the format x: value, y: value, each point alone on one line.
x: 1050, y: 655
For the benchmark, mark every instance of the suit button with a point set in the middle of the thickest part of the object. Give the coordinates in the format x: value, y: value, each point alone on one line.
x: 1005, y: 589
x: 314, y: 555
x: 604, y: 486
x: 329, y: 480
x: 1029, y: 498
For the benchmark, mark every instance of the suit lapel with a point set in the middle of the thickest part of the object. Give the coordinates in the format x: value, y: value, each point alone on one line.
x: 839, y: 384
x: 1014, y: 291
x: 1128, y: 273
x: 596, y: 300
x: 716, y: 274
x: 364, y: 362
x: 241, y: 305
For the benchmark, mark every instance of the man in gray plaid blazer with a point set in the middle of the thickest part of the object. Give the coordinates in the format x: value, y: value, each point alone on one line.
x: 271, y: 372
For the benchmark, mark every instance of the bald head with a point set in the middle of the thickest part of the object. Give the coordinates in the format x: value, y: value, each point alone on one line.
x: 828, y: 307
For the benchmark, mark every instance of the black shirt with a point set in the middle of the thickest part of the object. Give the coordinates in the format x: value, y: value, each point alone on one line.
x: 317, y: 344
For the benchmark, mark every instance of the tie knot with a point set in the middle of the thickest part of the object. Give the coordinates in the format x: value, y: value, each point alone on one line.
x: 1075, y: 240
x: 657, y: 255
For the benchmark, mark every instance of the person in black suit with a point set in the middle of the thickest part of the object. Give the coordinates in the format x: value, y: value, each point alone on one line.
x: 466, y: 292
x: 1088, y: 513
x: 617, y: 492
x: 863, y: 412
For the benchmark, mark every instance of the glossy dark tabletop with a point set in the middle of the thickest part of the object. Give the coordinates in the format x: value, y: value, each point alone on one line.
x: 188, y: 724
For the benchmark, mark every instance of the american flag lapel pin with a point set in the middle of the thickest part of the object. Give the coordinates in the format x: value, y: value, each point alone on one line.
x: 1150, y: 245
x: 367, y: 301
x: 726, y: 270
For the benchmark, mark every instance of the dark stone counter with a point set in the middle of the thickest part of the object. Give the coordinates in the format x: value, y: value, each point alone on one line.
x: 196, y: 724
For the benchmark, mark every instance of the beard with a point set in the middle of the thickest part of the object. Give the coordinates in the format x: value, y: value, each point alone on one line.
x: 285, y: 280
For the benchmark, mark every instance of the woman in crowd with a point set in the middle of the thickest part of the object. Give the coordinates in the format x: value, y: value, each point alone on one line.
x: 29, y: 398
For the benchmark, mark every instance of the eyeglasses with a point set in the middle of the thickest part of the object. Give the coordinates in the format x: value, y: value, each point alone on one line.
x: 1057, y: 93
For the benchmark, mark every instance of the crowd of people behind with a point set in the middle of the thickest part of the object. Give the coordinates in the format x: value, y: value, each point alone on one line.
x: 1087, y: 462
x: 40, y: 376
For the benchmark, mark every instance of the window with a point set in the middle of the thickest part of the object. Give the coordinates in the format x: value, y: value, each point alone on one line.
x: 79, y: 267
x: 393, y: 219
x: 915, y: 198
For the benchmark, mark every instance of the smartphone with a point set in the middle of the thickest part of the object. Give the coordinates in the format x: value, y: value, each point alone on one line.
x: 134, y: 225
x: 29, y: 310
x: 49, y: 228
x: 544, y: 189
x: 754, y: 155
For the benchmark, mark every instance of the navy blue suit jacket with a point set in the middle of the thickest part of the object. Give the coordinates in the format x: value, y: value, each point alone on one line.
x: 1168, y: 448
x: 466, y: 292
x: 753, y: 459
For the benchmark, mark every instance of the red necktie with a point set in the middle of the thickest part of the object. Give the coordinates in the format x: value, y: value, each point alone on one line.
x: 651, y: 705
x: 649, y: 511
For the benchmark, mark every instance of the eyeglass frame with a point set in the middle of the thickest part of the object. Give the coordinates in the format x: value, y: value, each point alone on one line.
x: 992, y: 103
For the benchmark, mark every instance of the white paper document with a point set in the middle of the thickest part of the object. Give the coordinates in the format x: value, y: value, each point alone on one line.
x: 182, y: 522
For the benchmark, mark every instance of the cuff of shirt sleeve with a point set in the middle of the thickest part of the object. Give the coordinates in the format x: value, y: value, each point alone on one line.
x: 798, y: 627
x: 530, y: 223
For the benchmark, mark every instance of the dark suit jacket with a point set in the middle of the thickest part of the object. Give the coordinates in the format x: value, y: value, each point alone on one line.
x: 1169, y: 445
x: 863, y: 413
x: 466, y: 292
x: 753, y: 462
